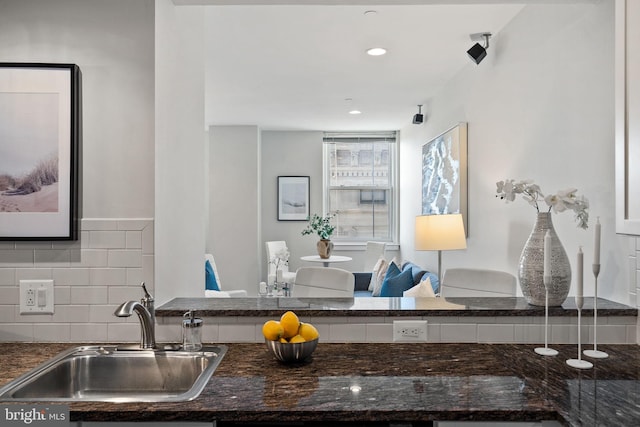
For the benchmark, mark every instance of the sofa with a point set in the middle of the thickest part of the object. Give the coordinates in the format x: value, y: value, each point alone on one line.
x: 417, y: 274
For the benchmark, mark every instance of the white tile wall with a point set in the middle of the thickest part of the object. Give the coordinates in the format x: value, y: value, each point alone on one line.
x: 91, y: 278
x: 524, y: 330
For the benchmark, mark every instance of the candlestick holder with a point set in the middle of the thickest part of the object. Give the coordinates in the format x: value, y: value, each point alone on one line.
x: 579, y: 363
x: 546, y: 351
x: 595, y: 353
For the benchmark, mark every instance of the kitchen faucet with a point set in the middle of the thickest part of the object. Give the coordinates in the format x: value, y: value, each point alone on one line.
x: 146, y: 314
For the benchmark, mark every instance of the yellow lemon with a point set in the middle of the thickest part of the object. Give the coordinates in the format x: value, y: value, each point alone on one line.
x: 272, y: 330
x: 284, y: 340
x: 308, y: 331
x: 297, y: 338
x: 290, y: 323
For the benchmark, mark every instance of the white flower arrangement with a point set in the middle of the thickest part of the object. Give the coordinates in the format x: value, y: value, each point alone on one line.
x: 559, y: 202
x: 280, y: 258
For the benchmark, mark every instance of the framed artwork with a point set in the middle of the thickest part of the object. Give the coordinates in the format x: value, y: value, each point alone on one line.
x: 39, y: 151
x: 293, y: 198
x: 444, y: 174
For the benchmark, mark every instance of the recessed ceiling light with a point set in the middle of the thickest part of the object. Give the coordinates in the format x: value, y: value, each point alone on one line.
x: 370, y: 12
x: 354, y: 112
x: 376, y: 51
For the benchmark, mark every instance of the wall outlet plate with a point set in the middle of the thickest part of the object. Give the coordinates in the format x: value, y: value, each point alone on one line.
x: 36, y: 296
x: 410, y: 331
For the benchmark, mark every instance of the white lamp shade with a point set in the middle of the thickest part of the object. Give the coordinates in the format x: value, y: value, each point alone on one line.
x: 440, y: 233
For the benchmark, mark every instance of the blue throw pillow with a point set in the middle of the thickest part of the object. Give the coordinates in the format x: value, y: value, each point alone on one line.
x: 395, y: 285
x: 211, y: 284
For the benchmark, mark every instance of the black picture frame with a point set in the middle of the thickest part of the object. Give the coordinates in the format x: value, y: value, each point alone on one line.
x: 293, y: 198
x: 40, y: 138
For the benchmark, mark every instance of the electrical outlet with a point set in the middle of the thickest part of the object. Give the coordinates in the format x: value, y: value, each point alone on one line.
x: 36, y: 296
x: 410, y: 330
x: 31, y: 297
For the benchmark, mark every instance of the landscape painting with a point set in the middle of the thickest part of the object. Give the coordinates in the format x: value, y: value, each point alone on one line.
x: 28, y: 152
x: 39, y: 140
x: 293, y: 198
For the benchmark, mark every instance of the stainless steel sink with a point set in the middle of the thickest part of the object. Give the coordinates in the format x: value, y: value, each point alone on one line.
x: 117, y: 374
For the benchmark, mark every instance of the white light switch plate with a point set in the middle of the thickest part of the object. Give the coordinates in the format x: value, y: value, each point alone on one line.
x: 36, y: 296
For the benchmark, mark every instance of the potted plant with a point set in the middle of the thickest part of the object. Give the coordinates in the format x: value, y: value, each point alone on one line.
x: 321, y: 225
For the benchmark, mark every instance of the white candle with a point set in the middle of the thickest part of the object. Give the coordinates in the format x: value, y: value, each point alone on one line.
x: 580, y: 268
x: 547, y: 256
x: 596, y: 251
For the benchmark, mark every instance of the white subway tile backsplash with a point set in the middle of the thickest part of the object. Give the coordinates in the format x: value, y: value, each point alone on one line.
x: 92, y: 258
x: 102, y: 313
x: 529, y: 333
x: 33, y: 274
x: 133, y: 240
x: 33, y: 245
x: 379, y: 332
x: 16, y: 332
x: 107, y: 239
x: 13, y: 258
x: 125, y: 258
x: 95, y: 224
x: 123, y: 332
x: 7, y: 276
x: 53, y: 258
x: 108, y: 277
x: 134, y: 224
x: 89, y: 295
x: 88, y: 332
x: 9, y: 295
x: 61, y: 294
x: 237, y: 333
x: 119, y: 294
x: 147, y: 240
x: 462, y: 332
x: 71, y: 314
x: 135, y: 276
x: 348, y: 332
x: 71, y: 276
x: 496, y: 333
x: 7, y: 313
x: 51, y: 332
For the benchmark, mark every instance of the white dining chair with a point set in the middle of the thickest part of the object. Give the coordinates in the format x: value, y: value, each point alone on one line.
x: 477, y: 282
x: 273, y: 247
x: 323, y: 282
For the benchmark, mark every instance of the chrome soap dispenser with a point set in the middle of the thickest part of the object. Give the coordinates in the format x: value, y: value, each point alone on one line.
x: 191, y: 332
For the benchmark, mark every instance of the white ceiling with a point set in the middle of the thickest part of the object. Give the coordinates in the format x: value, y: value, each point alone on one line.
x: 292, y: 67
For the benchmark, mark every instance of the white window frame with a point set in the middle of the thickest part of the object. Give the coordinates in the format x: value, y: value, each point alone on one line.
x: 394, y: 192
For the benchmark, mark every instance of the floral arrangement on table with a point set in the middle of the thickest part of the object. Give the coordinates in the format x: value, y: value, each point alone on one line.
x: 561, y: 201
x: 280, y: 258
x: 320, y: 225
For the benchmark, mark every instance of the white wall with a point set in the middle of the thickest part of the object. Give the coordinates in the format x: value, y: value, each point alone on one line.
x: 112, y: 43
x: 234, y: 215
x: 180, y: 151
x: 540, y: 106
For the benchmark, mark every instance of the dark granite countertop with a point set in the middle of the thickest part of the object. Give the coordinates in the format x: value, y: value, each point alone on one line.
x: 378, y: 306
x: 387, y: 382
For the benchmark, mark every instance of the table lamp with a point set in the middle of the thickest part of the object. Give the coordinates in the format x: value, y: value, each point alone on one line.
x: 440, y: 233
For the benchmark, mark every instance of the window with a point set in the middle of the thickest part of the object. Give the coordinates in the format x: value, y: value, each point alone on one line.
x: 360, y: 185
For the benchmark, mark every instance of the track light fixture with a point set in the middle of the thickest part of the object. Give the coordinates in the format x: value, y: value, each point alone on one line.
x: 418, y: 118
x: 477, y: 51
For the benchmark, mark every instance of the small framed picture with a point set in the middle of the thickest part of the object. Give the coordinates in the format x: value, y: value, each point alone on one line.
x: 293, y: 198
x: 39, y: 151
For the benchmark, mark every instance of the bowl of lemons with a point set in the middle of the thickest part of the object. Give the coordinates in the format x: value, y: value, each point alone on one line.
x: 289, y: 339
